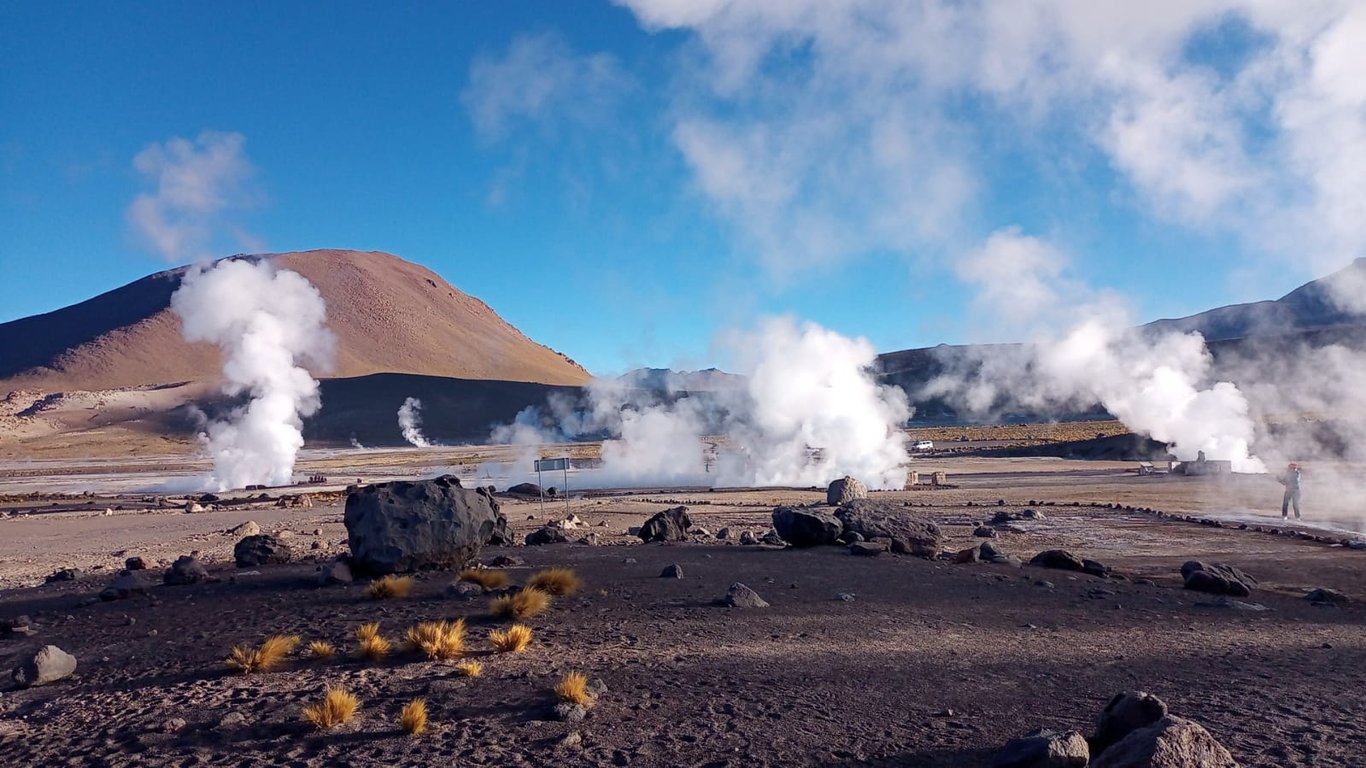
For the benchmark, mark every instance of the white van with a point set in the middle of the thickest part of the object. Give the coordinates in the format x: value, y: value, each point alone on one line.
x: 923, y: 445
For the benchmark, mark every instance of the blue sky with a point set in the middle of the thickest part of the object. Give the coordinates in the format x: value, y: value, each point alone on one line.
x: 623, y: 182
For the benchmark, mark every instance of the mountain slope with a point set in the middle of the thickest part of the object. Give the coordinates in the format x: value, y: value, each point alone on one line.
x: 389, y: 315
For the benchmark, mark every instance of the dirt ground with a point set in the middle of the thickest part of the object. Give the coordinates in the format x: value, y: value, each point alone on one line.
x: 929, y: 663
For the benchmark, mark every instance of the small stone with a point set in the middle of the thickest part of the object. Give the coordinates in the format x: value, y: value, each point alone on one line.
x: 845, y: 597
x: 464, y: 590
x: 173, y: 725
x: 46, y: 666
x: 570, y: 713
x: 672, y: 571
x: 135, y: 564
x: 741, y: 596
x: 571, y: 739
x: 232, y: 720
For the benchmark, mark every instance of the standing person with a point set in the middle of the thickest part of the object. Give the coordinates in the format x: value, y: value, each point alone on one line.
x: 1291, y: 481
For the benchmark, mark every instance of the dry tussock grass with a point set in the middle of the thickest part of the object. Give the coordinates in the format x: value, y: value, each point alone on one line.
x: 470, y: 668
x: 488, y: 579
x: 514, y: 639
x: 390, y: 586
x: 413, y: 718
x: 268, y: 656
x: 574, y: 689
x: 372, y: 645
x: 438, y: 640
x: 338, y: 706
x: 527, y: 602
x: 321, y: 649
x: 556, y: 581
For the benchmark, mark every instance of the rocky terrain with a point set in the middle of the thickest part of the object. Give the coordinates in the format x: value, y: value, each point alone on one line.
x: 936, y: 659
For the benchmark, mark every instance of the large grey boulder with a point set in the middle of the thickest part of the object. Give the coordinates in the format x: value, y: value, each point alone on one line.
x: 879, y: 520
x: 261, y: 549
x: 405, y: 526
x: 1171, y: 742
x: 1217, y: 579
x: 845, y: 490
x: 1044, y: 749
x: 46, y: 666
x: 807, y: 527
x: 1126, y: 713
x: 669, y: 525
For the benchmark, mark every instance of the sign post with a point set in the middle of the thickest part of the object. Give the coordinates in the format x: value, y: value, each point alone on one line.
x: 550, y: 465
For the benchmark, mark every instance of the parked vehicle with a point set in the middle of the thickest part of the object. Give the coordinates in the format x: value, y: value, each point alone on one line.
x: 923, y: 445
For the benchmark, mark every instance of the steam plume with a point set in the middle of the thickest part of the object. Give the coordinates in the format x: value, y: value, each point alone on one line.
x: 410, y: 421
x: 807, y: 410
x: 268, y: 323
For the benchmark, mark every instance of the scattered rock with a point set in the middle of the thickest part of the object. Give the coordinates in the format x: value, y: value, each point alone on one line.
x: 807, y: 527
x: 403, y: 526
x: 570, y: 713
x: 845, y: 490
x: 741, y: 596
x: 672, y: 571
x: 984, y: 532
x: 1237, y: 605
x: 1044, y: 749
x: 1217, y: 579
x: 990, y: 553
x: 506, y: 561
x: 669, y: 525
x: 19, y: 625
x: 261, y: 549
x: 464, y: 590
x: 1059, y: 559
x: 1171, y: 742
x: 186, y: 570
x: 867, y: 548
x: 336, y: 572
x: 526, y: 489
x: 135, y: 564
x: 173, y: 725
x: 1006, y: 516
x: 249, y: 528
x: 845, y: 597
x: 546, y: 535
x: 873, y: 519
x: 723, y: 534
x: 125, y: 585
x: 1095, y: 568
x: 700, y: 532
x: 64, y: 574
x: 232, y: 720
x: 1326, y: 596
x: 46, y: 666
x: 591, y: 540
x: 1126, y: 713
x: 747, y: 538
x: 772, y: 539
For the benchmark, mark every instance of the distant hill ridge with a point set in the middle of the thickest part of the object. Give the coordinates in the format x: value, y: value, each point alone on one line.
x: 389, y: 315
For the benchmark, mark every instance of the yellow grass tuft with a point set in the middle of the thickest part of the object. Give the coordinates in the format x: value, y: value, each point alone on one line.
x: 485, y: 578
x: 470, y: 668
x: 574, y: 689
x: 514, y: 639
x: 338, y: 706
x: 556, y: 581
x: 390, y: 586
x: 273, y: 650
x: 321, y: 649
x: 439, y: 640
x: 413, y: 718
x: 527, y: 602
x: 372, y: 645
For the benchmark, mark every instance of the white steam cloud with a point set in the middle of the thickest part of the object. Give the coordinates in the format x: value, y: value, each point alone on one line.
x: 268, y: 323
x: 410, y: 421
x: 197, y: 184
x: 1083, y: 350
x: 807, y: 410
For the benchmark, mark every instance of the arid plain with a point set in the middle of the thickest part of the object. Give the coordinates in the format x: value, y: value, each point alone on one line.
x: 888, y: 660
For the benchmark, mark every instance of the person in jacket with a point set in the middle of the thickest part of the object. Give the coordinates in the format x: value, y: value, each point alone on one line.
x: 1291, y: 481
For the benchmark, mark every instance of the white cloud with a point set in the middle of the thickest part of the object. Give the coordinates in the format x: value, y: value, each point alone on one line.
x: 538, y: 78
x: 196, y: 186
x: 824, y: 130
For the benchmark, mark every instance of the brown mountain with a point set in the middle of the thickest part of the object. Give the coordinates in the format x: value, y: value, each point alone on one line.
x: 389, y: 315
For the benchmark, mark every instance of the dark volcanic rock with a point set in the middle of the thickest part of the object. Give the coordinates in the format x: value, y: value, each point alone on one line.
x: 1171, y: 742
x: 125, y: 585
x: 1326, y: 596
x: 135, y: 564
x: 807, y: 527
x: 65, y: 574
x: 336, y: 572
x: 1059, y: 559
x: 867, y: 548
x: 186, y: 570
x: 261, y: 549
x: 741, y: 596
x: 1044, y: 749
x: 403, y: 526
x: 1217, y: 579
x: 550, y: 534
x: 526, y: 489
x: 672, y: 571
x: 874, y: 519
x: 845, y: 490
x: 1126, y: 713
x: 669, y: 525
